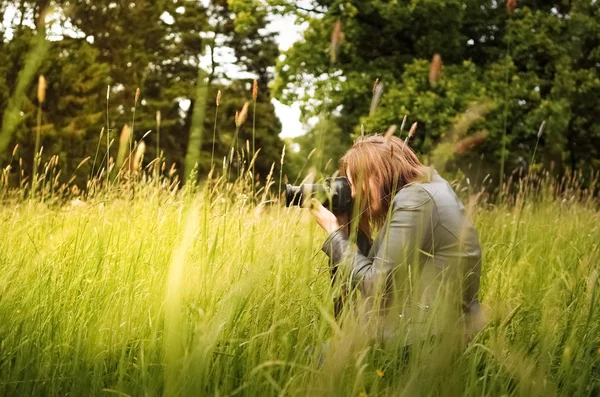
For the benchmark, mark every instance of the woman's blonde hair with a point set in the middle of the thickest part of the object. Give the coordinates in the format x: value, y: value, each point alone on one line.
x: 386, y: 164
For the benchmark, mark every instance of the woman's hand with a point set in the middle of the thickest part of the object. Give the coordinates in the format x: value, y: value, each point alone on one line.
x: 325, y: 218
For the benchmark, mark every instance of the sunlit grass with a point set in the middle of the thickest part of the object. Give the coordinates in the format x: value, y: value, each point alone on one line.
x: 182, y: 294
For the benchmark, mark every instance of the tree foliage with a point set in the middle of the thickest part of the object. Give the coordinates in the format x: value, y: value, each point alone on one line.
x: 160, y: 47
x: 540, y: 62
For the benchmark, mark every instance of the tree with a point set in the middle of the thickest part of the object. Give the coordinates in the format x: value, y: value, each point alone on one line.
x: 156, y: 46
x: 537, y: 63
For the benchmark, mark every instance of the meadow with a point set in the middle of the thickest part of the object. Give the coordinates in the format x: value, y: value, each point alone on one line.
x: 117, y: 279
x: 203, y: 291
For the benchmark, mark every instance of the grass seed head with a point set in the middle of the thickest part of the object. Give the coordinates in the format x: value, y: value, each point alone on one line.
x: 254, y: 90
x: 107, y: 92
x: 403, y: 123
x: 137, y: 95
x: 511, y: 5
x: 390, y: 131
x: 218, y: 98
x: 435, y: 70
x: 469, y: 142
x: 41, y: 93
x: 412, y: 130
x: 158, y: 117
x: 337, y: 38
x: 125, y: 134
x: 376, y: 98
x: 139, y: 155
x: 541, y: 130
x: 240, y: 117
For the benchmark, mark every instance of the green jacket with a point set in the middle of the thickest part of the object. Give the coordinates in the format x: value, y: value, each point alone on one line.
x: 424, y: 263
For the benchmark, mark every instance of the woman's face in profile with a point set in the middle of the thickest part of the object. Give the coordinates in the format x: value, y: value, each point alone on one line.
x: 375, y: 205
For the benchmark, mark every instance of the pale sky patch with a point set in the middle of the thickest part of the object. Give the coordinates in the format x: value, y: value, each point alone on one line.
x: 290, y: 119
x: 287, y: 34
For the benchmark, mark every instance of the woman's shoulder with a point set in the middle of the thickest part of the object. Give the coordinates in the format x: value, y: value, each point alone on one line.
x: 422, y: 191
x: 412, y: 196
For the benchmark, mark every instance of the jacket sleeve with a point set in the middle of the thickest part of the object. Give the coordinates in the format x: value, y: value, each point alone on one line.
x: 363, y: 244
x: 403, y: 235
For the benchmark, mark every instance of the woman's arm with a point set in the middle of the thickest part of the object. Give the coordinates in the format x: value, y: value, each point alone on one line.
x: 340, y: 223
x: 409, y: 226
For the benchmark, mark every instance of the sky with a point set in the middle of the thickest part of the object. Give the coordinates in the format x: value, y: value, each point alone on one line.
x: 288, y: 33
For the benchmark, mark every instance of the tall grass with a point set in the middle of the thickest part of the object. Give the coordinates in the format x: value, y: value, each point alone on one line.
x: 203, y: 293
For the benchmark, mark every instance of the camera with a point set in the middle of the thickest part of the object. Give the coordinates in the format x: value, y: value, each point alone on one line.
x: 335, y: 194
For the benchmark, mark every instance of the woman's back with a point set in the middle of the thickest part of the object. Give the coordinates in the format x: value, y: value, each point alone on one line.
x: 448, y: 241
x: 425, y: 262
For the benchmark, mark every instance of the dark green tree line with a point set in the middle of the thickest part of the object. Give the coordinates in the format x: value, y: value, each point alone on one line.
x: 157, y: 46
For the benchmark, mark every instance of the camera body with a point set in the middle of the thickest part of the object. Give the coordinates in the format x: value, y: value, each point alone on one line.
x: 335, y: 193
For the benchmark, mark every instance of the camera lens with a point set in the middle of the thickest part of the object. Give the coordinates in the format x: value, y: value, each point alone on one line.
x: 293, y: 195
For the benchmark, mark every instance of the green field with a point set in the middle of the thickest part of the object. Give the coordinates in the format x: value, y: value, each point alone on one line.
x: 186, y: 294
x: 145, y: 249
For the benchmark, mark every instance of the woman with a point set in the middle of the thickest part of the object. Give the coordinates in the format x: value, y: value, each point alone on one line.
x: 420, y: 276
